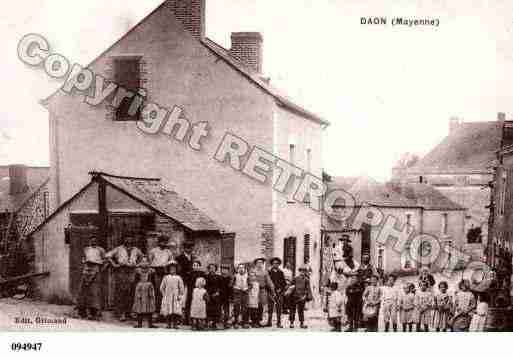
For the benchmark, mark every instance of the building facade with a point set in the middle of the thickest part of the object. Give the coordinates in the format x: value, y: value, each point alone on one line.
x: 416, y: 211
x: 171, y: 62
x: 461, y: 167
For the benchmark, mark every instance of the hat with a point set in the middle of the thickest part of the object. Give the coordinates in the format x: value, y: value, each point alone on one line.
x: 188, y: 244
x: 212, y: 264
x: 259, y: 259
x: 276, y: 259
x: 173, y: 264
x: 303, y: 267
x: 163, y: 239
x: 345, y: 238
x: 226, y: 266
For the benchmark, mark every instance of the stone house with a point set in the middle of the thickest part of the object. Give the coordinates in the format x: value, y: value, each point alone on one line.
x: 168, y: 59
x: 416, y: 210
x: 110, y: 207
x: 461, y: 167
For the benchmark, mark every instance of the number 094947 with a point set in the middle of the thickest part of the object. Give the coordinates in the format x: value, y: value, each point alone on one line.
x: 24, y: 347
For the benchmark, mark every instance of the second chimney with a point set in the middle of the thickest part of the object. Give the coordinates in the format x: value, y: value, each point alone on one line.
x: 191, y: 13
x: 247, y: 47
x: 17, y: 179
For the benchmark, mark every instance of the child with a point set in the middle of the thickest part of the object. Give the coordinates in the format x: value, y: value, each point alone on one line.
x: 335, y: 305
x: 479, y: 318
x: 253, y: 299
x: 424, y: 302
x: 407, y: 307
x: 301, y: 294
x: 225, y: 294
x: 443, y: 305
x: 240, y: 297
x: 213, y: 290
x: 199, y: 304
x: 371, y: 302
x: 464, y: 303
x: 354, y: 303
x: 172, y: 289
x: 144, y: 297
x: 389, y: 303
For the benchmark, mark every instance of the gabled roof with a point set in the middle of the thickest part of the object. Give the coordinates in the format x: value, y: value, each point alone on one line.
x: 36, y: 178
x: 367, y: 191
x: 151, y: 193
x: 471, y: 147
x: 224, y: 55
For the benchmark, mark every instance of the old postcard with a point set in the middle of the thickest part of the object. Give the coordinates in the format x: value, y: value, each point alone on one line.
x: 245, y: 166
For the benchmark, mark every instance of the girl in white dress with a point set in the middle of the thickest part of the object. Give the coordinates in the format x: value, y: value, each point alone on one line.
x: 199, y: 304
x: 173, y: 291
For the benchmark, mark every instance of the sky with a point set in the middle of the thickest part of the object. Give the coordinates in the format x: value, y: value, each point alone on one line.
x: 386, y: 90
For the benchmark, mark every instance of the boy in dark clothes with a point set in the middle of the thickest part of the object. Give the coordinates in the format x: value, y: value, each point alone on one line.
x: 225, y: 294
x: 301, y: 294
x: 354, y: 292
x: 213, y: 290
x: 278, y: 279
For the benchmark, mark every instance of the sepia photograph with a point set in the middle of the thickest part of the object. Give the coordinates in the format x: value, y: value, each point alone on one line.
x: 244, y: 166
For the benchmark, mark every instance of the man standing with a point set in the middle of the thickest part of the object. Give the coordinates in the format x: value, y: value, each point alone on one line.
x: 185, y: 261
x: 266, y: 286
x: 124, y: 259
x: 278, y: 279
x: 160, y: 258
x: 89, y: 298
x: 367, y: 270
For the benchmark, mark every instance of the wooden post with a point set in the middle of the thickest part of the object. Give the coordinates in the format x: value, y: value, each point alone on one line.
x: 103, y: 213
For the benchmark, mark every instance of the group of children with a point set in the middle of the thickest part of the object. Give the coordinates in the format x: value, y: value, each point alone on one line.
x: 422, y: 309
x: 216, y: 297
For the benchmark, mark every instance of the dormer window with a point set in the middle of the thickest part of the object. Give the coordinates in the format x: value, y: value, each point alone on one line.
x: 127, y: 74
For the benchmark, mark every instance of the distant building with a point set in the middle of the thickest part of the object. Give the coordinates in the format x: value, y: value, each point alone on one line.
x: 24, y: 204
x: 500, y: 244
x: 418, y: 208
x: 461, y: 167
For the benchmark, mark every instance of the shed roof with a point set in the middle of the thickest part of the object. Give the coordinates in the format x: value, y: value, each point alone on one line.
x: 151, y: 193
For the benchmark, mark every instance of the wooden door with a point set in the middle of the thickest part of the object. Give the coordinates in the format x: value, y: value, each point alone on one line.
x: 228, y: 249
x: 121, y: 224
x: 289, y: 252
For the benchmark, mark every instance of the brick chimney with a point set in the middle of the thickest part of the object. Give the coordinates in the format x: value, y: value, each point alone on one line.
x: 247, y: 47
x: 191, y: 13
x: 454, y: 124
x: 17, y: 179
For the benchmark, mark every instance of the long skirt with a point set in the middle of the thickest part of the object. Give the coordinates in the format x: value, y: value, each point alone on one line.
x: 441, y: 319
x: 124, y: 287
x: 90, y: 290
x: 160, y: 273
x: 407, y: 316
x: 214, y: 308
x: 144, y: 298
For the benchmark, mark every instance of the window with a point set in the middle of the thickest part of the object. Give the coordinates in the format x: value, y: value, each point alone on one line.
x: 309, y: 160
x: 381, y: 258
x: 502, y: 194
x: 306, y: 253
x: 408, y: 219
x: 292, y: 154
x: 127, y: 74
x: 421, y: 179
x: 445, y: 223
